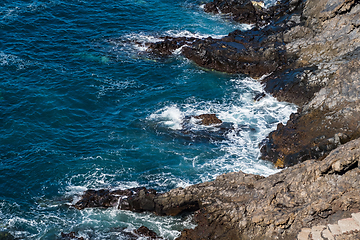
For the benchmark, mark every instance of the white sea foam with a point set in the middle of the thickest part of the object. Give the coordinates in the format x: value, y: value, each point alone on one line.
x: 12, y: 60
x: 252, y: 121
x: 170, y: 116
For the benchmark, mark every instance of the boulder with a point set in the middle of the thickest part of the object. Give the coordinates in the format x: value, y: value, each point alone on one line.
x: 147, y: 233
x: 208, y: 119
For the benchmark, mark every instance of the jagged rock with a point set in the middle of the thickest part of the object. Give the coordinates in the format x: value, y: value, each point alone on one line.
x: 70, y: 236
x: 259, y: 96
x: 168, y: 45
x: 328, y: 89
x: 251, y: 12
x: 241, y: 10
x: 239, y: 52
x: 134, y: 199
x: 245, y: 206
x: 206, y: 127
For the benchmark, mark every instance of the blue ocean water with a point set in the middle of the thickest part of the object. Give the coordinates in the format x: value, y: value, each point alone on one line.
x: 82, y: 105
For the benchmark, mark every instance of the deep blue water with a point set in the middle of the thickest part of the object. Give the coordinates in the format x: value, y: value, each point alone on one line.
x: 82, y: 106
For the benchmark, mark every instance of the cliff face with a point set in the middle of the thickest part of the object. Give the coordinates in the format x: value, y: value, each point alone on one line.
x: 330, y: 47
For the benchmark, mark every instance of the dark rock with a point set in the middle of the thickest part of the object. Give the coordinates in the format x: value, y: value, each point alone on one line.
x: 240, y: 52
x: 208, y: 119
x: 242, y: 11
x: 70, y: 236
x: 168, y: 45
x: 245, y: 206
x: 97, y: 198
x: 142, y: 200
x: 145, y: 232
x: 259, y: 96
x: 291, y: 85
x: 204, y: 128
x: 251, y: 12
x: 134, y: 199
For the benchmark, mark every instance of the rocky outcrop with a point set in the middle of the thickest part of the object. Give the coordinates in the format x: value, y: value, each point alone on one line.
x: 140, y: 233
x: 145, y: 232
x: 245, y: 206
x: 309, y: 54
x: 134, y: 199
x: 70, y: 236
x: 168, y: 45
x: 329, y: 115
x: 251, y: 12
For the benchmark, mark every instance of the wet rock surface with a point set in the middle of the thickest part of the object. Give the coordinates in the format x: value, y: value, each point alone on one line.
x: 145, y: 232
x: 206, y: 128
x: 168, y: 45
x: 134, y: 199
x: 140, y: 233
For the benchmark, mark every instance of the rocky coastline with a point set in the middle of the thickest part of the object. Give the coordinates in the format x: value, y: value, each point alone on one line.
x: 309, y: 52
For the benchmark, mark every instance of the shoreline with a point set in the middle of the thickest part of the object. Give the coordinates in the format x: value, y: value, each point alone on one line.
x: 311, y: 50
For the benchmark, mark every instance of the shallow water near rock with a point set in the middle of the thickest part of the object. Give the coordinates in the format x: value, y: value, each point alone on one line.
x: 83, y: 106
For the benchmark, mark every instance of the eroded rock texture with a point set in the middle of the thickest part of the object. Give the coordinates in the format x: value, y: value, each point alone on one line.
x: 245, y: 206
x: 328, y: 45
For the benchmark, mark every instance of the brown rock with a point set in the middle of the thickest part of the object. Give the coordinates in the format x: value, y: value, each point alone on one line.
x: 208, y: 119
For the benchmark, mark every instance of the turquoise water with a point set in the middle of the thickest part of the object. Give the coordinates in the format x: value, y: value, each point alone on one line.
x: 84, y: 106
